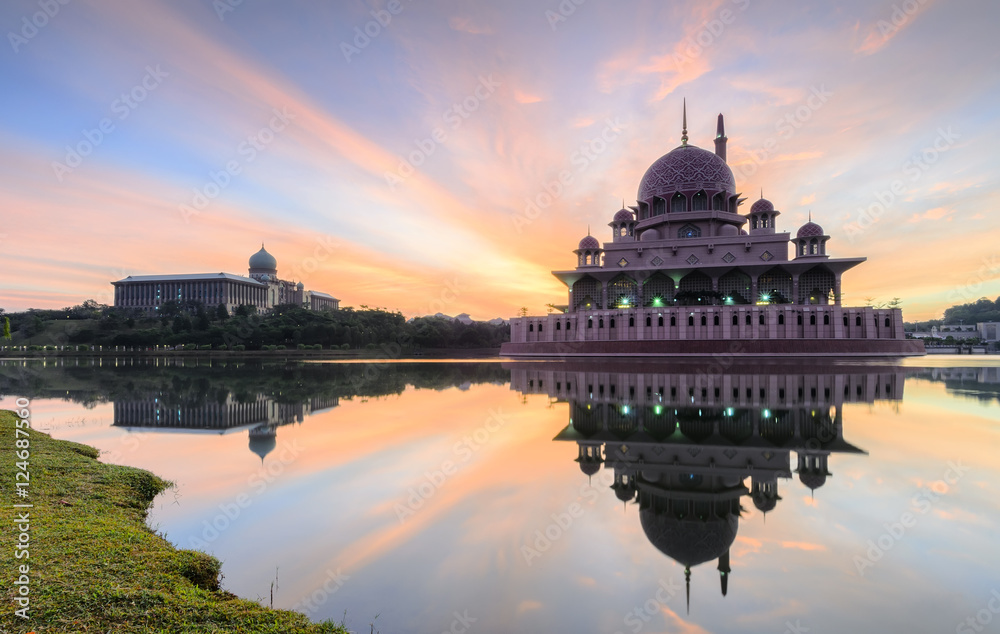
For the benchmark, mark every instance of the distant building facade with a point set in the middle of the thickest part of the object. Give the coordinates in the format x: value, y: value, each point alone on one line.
x: 262, y: 289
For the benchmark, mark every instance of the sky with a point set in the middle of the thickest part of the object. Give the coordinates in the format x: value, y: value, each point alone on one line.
x: 443, y: 156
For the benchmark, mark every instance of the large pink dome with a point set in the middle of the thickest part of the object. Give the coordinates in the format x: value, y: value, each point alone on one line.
x: 686, y: 168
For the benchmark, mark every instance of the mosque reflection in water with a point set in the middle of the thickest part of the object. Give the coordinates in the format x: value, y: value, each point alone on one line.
x: 682, y: 442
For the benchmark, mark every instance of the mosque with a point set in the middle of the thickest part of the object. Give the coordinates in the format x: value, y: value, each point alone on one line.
x: 262, y: 289
x: 682, y: 442
x: 686, y: 272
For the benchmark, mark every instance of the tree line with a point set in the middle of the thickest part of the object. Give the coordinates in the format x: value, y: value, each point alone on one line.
x: 288, y: 326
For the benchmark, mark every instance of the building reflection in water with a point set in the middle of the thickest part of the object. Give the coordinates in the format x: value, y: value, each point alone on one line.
x: 682, y: 442
x: 260, y: 416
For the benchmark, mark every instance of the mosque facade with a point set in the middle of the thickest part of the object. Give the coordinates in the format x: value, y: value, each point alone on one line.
x: 688, y: 272
x: 261, y: 288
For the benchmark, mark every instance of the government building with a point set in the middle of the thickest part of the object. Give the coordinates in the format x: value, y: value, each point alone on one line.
x: 687, y: 272
x: 261, y: 289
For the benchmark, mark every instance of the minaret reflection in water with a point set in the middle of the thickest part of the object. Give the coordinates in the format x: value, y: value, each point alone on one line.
x: 682, y: 441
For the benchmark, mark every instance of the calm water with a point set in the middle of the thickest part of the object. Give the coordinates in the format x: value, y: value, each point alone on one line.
x: 546, y: 497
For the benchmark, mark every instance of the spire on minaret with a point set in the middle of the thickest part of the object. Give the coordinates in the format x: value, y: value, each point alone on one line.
x: 720, y: 139
x: 724, y: 571
x: 687, y: 584
x: 810, y: 215
x: 684, y: 129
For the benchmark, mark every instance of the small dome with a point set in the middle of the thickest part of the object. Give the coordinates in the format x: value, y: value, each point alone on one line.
x: 624, y: 215
x: 810, y: 230
x: 263, y: 260
x: 590, y: 468
x: 765, y: 502
x: 300, y: 286
x: 762, y: 206
x: 265, y: 278
x: 624, y: 493
x: 649, y: 235
x: 812, y: 479
x: 590, y: 242
x: 728, y: 230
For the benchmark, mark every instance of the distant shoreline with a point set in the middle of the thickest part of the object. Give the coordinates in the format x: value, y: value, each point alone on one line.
x: 376, y: 354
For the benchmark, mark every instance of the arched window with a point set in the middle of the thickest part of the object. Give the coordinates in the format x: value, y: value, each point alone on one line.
x: 584, y: 293
x: 857, y: 320
x: 690, y: 320
x: 558, y: 325
x: 812, y: 320
x: 612, y: 324
x: 813, y: 247
x: 704, y: 321
x: 887, y: 322
x: 623, y: 231
x: 700, y: 201
x: 781, y: 319
x: 673, y: 320
x: 649, y: 322
x: 659, y: 206
x: 590, y: 322
x: 736, y: 319
x: 826, y: 320
x: 678, y: 203
x: 540, y: 327
x: 800, y: 319
x: 569, y: 325
x: 659, y: 321
x: 600, y: 323
x: 531, y: 327
x: 845, y: 320
x: 657, y: 290
x: 631, y: 322
x: 719, y: 202
x: 761, y: 319
x: 748, y: 319
x: 689, y: 231
x: 715, y: 320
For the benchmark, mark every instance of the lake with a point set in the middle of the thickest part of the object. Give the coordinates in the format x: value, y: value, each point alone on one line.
x: 489, y: 496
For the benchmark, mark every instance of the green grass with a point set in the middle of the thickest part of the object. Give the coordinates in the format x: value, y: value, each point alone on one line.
x: 97, y: 567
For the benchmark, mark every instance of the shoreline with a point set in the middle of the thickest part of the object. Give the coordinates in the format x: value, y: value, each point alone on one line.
x: 91, y: 563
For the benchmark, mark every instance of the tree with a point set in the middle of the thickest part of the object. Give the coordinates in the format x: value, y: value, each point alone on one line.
x: 523, y: 312
x: 221, y: 313
x: 6, y: 328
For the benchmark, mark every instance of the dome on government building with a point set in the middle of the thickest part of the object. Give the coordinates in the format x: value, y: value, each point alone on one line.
x: 263, y: 260
x: 809, y: 230
x: 589, y: 242
x: 687, y: 169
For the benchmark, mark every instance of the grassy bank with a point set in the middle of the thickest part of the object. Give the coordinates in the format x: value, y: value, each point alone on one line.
x: 94, y: 564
